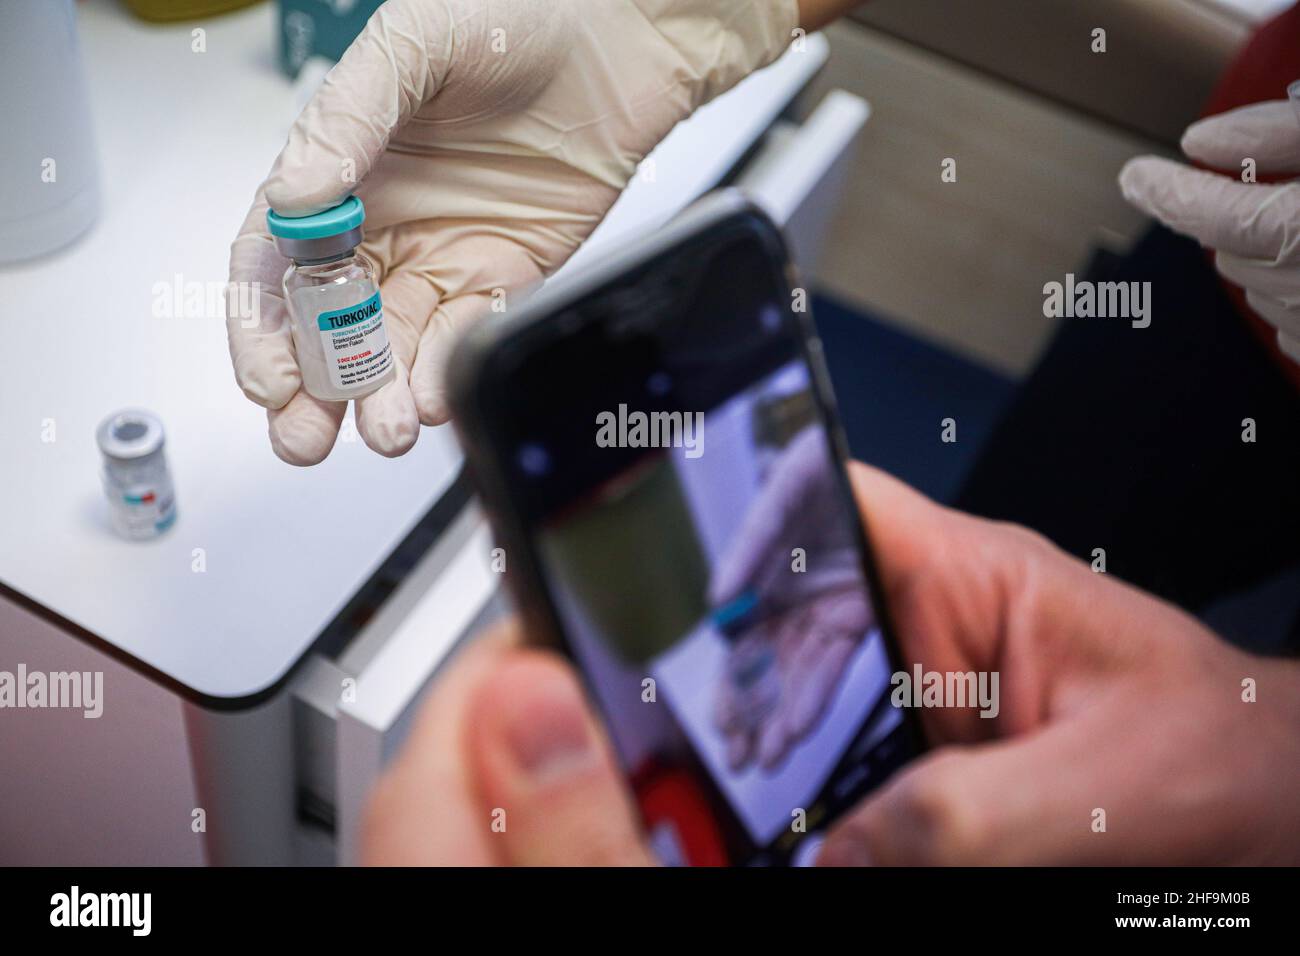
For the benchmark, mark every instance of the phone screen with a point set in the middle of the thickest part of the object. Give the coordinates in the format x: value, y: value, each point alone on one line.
x: 697, y: 543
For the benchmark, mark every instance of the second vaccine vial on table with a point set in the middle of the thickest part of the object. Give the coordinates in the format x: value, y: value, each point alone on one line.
x: 334, y: 307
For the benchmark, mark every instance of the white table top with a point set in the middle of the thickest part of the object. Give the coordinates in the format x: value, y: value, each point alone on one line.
x: 184, y: 139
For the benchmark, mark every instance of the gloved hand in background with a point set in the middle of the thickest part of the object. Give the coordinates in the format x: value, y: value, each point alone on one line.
x: 487, y: 139
x: 1254, y: 228
x: 783, y: 671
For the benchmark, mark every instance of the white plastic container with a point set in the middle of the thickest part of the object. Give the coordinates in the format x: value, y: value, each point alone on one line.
x: 48, y: 162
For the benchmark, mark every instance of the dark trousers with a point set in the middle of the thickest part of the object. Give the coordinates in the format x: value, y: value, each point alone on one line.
x: 1131, y: 440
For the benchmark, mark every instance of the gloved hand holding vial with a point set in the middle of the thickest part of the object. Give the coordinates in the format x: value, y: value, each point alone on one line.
x: 789, y: 600
x: 487, y: 139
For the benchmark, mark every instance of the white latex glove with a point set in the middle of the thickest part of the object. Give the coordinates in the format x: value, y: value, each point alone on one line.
x: 487, y: 139
x: 798, y: 506
x: 1254, y: 228
x: 811, y: 622
x: 812, y: 645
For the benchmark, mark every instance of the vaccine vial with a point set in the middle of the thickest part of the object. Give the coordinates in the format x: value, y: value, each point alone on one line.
x: 335, y: 313
x: 141, y: 499
x: 751, y: 668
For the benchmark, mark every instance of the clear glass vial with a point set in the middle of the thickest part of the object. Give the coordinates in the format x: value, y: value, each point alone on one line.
x: 141, y: 499
x: 335, y: 312
x: 752, y: 667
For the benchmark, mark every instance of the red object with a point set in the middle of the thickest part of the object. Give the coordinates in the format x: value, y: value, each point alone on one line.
x: 1262, y: 70
x: 669, y: 796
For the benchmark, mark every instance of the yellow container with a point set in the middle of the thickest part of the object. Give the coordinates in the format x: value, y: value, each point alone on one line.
x: 162, y: 10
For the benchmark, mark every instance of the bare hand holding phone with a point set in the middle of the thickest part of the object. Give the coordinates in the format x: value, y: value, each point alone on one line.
x: 1111, y: 699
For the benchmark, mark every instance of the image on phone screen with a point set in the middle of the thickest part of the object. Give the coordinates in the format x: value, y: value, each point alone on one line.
x: 711, y: 585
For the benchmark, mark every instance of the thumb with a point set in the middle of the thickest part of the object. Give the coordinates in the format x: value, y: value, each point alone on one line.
x: 1268, y: 133
x: 544, y: 768
x: 392, y: 69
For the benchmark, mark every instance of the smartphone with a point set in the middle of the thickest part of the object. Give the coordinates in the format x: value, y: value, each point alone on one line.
x: 656, y: 447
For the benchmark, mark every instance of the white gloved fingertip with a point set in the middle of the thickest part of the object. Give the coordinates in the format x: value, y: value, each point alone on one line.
x: 299, y: 454
x: 1136, y: 177
x: 304, y: 431
x: 391, y: 437
x: 387, y: 419
x: 432, y: 408
x: 1200, y: 139
x: 307, y: 198
x: 1266, y: 133
x: 271, y: 391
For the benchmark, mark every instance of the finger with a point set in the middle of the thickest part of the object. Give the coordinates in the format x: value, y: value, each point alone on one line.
x: 1283, y: 315
x: 545, y: 772
x: 1268, y: 133
x: 1280, y: 314
x: 387, y: 419
x: 967, y: 595
x: 904, y: 524
x: 774, y: 735
x: 257, y: 322
x: 1252, y: 220
x: 409, y: 299
x: 476, y: 270
x: 817, y: 650
x: 429, y: 374
x: 740, y: 748
x: 396, y: 65
x: 940, y: 572
x: 1273, y: 291
x: 773, y: 742
x: 304, y: 430
x: 1075, y: 793
x: 824, y: 666
x: 1281, y: 281
x: 727, y: 720
x: 425, y: 811
x: 1290, y: 345
x: 798, y: 476
x: 753, y: 549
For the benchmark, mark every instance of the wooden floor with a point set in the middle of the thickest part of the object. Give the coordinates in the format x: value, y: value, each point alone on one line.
x: 964, y: 263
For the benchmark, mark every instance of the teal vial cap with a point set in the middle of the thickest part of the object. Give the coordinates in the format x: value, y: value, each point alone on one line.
x: 737, y: 614
x: 324, y: 235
